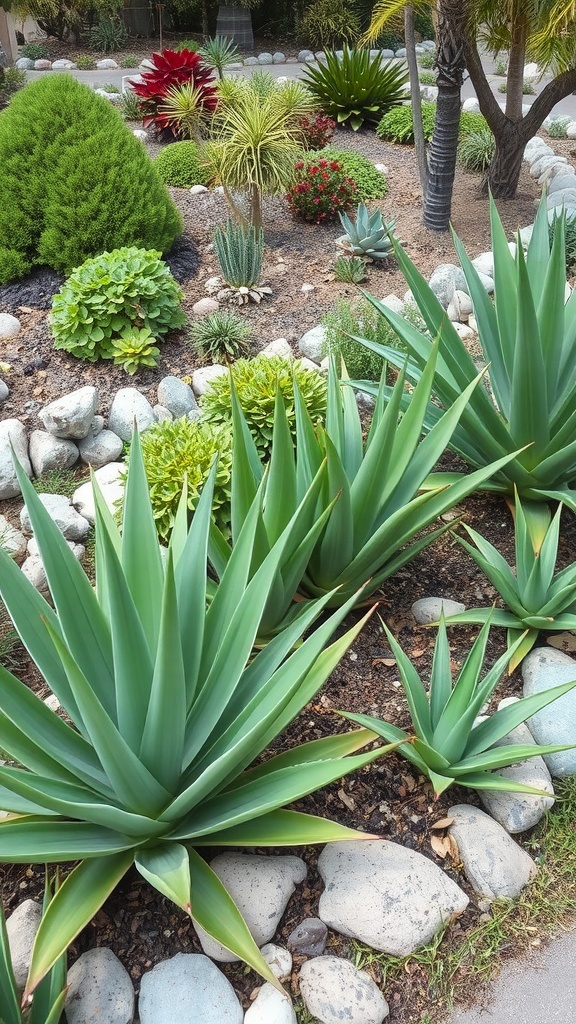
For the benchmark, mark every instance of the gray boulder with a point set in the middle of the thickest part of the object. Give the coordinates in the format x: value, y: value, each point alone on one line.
x: 542, y: 669
x: 445, y: 280
x: 70, y: 416
x: 99, y: 990
x: 12, y: 436
x: 22, y: 926
x: 313, y: 342
x: 334, y: 991
x: 130, y: 406
x: 106, y: 64
x: 176, y: 396
x: 100, y: 448
x: 10, y: 327
x: 429, y: 609
x: 305, y: 56
x: 202, y: 378
x: 493, y: 863
x: 187, y: 988
x: 25, y: 64
x: 111, y: 482
x: 278, y: 57
x: 562, y: 181
x: 50, y: 452
x: 265, y: 58
x: 72, y: 525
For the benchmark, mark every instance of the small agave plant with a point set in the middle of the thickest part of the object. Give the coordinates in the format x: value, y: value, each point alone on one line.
x: 368, y: 235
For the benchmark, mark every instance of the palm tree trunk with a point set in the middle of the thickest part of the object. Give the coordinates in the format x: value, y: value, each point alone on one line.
x: 515, y: 76
x: 415, y: 98
x: 442, y: 153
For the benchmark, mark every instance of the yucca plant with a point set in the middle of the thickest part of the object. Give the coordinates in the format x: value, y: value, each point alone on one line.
x: 239, y: 251
x: 166, y: 707
x: 49, y: 998
x: 451, y: 745
x: 367, y: 495
x: 221, y: 337
x: 528, y: 339
x: 356, y: 87
x: 535, y: 597
x: 220, y: 52
x: 367, y: 235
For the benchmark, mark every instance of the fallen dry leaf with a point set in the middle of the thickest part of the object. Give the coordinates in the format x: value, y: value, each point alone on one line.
x: 25, y: 309
x: 388, y: 662
x: 563, y: 642
x: 443, y: 823
x: 417, y: 652
x: 444, y: 846
x: 347, y: 800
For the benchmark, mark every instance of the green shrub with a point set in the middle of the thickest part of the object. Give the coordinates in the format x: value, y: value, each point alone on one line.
x: 256, y: 382
x: 135, y: 348
x: 356, y: 87
x: 179, y: 165
x: 110, y: 87
x: 85, y: 63
x: 370, y: 183
x: 501, y: 64
x: 130, y: 107
x: 186, y: 44
x: 176, y: 449
x: 528, y: 89
x: 110, y: 296
x: 327, y: 24
x: 424, y: 24
x: 557, y: 127
x: 10, y: 82
x: 475, y: 151
x: 503, y: 87
x: 220, y: 337
x: 130, y: 62
x: 34, y: 51
x: 75, y: 181
x: 427, y: 78
x: 357, y: 317
x: 471, y: 122
x: 427, y: 60
x: 108, y: 35
x: 397, y: 125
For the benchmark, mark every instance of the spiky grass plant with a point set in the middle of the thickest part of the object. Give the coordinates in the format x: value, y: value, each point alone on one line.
x: 349, y: 269
x: 220, y: 337
x: 240, y: 252
x: 356, y: 87
x: 476, y: 150
x: 220, y: 52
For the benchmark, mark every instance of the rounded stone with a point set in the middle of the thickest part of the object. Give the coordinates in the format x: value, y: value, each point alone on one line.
x: 4, y: 391
x: 42, y: 65
x: 313, y: 342
x: 49, y: 452
x: 309, y: 938
x: 12, y: 440
x: 10, y: 327
x: 130, y: 407
x: 204, y: 375
x: 334, y: 991
x: 270, y: 1007
x: 71, y: 525
x: 72, y: 415
x: 517, y: 812
x: 176, y: 396
x: 278, y: 959
x: 99, y: 990
x: 106, y: 63
x: 494, y: 864
x: 542, y: 669
x: 111, y: 482
x: 429, y: 609
x: 278, y: 57
x: 12, y: 540
x: 188, y: 987
x: 25, y: 64
x: 22, y: 926
x: 100, y: 448
x: 204, y: 306
x: 305, y: 55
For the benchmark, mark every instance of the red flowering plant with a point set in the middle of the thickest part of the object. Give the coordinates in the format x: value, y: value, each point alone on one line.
x: 172, y: 69
x: 320, y: 190
x: 317, y: 130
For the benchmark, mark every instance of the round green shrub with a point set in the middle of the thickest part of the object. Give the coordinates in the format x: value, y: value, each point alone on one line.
x: 471, y: 122
x: 398, y: 126
x: 176, y: 449
x: 475, y: 151
x: 256, y: 381
x: 108, y: 297
x: 85, y: 63
x: 370, y: 183
x: 179, y: 165
x: 75, y: 181
x: 34, y: 51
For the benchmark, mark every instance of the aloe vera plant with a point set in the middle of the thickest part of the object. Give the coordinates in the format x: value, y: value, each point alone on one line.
x: 528, y: 338
x: 536, y: 598
x: 451, y: 745
x: 367, y: 235
x: 363, y: 509
x: 167, y: 706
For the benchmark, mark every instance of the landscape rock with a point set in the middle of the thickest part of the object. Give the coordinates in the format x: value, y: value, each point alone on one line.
x: 22, y: 926
x: 542, y: 669
x: 70, y: 416
x: 540, y: 165
x: 49, y: 452
x: 130, y: 406
x: 471, y: 105
x: 33, y: 569
x: 112, y: 97
x: 204, y: 306
x: 394, y: 303
x: 428, y: 609
x: 486, y: 281
x: 554, y: 171
x: 312, y: 343
x: 78, y: 550
x: 260, y: 887
x: 309, y: 938
x: 13, y: 542
x: 445, y: 280
x: 385, y: 895
x: 305, y: 56
x: 536, y: 146
x: 4, y: 391
x: 42, y: 64
x: 12, y: 436
x: 141, y: 134
x: 493, y: 863
x: 107, y: 63
x: 278, y: 57
x: 64, y: 65
x: 100, y: 990
x: 429, y: 93
x: 162, y: 413
x: 187, y: 988
x: 484, y: 263
x: 197, y: 190
x: 10, y: 327
x: 265, y: 58
x: 24, y: 64
x: 100, y: 448
x: 563, y: 197
x: 251, y: 61
x: 562, y: 181
x: 270, y: 1007
x: 71, y: 525
x: 334, y: 991
x: 111, y: 482
x: 202, y: 377
x: 278, y: 959
x: 176, y: 396
x: 278, y: 347
x: 464, y: 331
x: 571, y: 130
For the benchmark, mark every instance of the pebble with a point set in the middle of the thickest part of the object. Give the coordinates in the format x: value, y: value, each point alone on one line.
x: 99, y: 990
x: 493, y: 863
x: 204, y: 306
x: 70, y: 416
x: 10, y: 327
x: 334, y: 991
x: 385, y: 895
x: 309, y: 938
x: 278, y: 959
x: 429, y: 609
x: 202, y: 377
x: 22, y: 926
x: 71, y: 525
x: 49, y: 452
x: 12, y: 436
x: 176, y: 396
x: 307, y: 288
x: 542, y: 669
x: 188, y: 988
x: 270, y: 1007
x: 111, y: 482
x: 260, y: 887
x: 130, y: 405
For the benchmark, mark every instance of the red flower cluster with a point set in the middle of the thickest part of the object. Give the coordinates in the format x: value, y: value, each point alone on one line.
x: 174, y: 68
x: 316, y: 131
x: 320, y: 190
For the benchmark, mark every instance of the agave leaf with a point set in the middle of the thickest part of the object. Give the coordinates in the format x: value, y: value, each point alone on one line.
x: 528, y: 639
x: 499, y: 783
x: 529, y: 411
x: 285, y: 828
x: 167, y: 867
x: 144, y: 575
x: 503, y: 756
x: 487, y: 733
x: 440, y: 676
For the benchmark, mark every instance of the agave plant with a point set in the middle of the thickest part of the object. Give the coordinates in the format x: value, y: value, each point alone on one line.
x: 535, y: 597
x: 361, y: 497
x: 528, y: 338
x: 367, y: 235
x: 49, y: 998
x: 356, y: 87
x: 172, y: 69
x: 451, y: 745
x: 166, y: 707
x: 239, y: 251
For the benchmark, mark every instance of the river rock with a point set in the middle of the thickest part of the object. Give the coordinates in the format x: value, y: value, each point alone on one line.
x: 270, y: 1007
x: 64, y: 65
x: 107, y: 63
x: 25, y: 64
x: 22, y: 926
x: 72, y: 525
x: 385, y: 895
x: 494, y: 864
x: 10, y: 327
x: 70, y: 416
x: 278, y: 959
x: 429, y: 609
x: 12, y: 436
x: 542, y: 669
x: 130, y: 406
x: 445, y: 280
x: 334, y: 991
x: 313, y: 342
x: 111, y: 482
x: 13, y: 542
x: 278, y: 347
x: 100, y: 448
x: 188, y: 988
x: 50, y: 452
x: 202, y: 377
x: 309, y: 938
x: 99, y: 990
x: 561, y: 181
x: 176, y: 396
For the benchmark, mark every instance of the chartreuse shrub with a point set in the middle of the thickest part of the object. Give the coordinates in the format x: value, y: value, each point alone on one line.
x: 347, y: 319
x: 167, y: 704
x: 256, y: 382
x: 179, y: 450
x: 451, y: 746
x: 329, y: 23
x: 528, y: 340
x: 179, y: 164
x: 112, y: 298
x: 75, y: 181
x: 397, y: 125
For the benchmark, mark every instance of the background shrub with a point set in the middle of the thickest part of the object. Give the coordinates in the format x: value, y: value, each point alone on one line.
x: 370, y: 183
x: 108, y: 35
x: 173, y: 449
x: 75, y: 181
x: 256, y: 383
x: 326, y: 24
x: 179, y: 165
x: 110, y: 296
x: 569, y: 240
x: 34, y: 51
x: 476, y: 149
x: 10, y: 82
x: 360, y: 318
x: 317, y: 130
x: 321, y: 188
x: 471, y: 122
x: 356, y: 87
x: 397, y: 125
x: 85, y: 63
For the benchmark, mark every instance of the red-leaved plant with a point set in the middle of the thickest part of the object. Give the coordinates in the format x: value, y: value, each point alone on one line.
x: 320, y: 190
x: 171, y: 69
x: 317, y: 130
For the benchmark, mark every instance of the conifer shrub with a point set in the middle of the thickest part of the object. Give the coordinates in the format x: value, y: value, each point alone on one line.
x: 179, y: 165
x: 75, y: 181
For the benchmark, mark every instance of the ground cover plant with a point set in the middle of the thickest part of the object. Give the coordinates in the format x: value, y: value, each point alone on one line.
x: 75, y: 181
x: 397, y: 124
x: 168, y: 711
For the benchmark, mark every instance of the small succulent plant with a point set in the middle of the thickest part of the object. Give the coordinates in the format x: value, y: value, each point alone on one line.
x: 368, y: 235
x: 349, y: 269
x: 221, y: 337
x: 136, y: 347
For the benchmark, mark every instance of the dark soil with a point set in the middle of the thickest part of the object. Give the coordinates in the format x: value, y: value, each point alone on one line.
x: 386, y: 798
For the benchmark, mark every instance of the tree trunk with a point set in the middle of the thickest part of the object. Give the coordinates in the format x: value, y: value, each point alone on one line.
x: 442, y: 152
x: 504, y: 171
x: 415, y: 98
x: 515, y: 76
x: 205, y: 9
